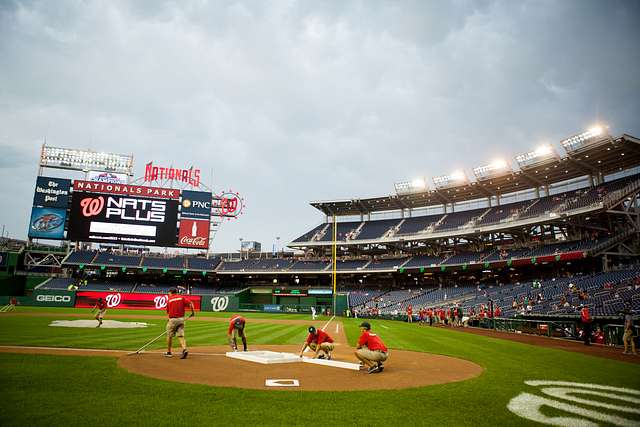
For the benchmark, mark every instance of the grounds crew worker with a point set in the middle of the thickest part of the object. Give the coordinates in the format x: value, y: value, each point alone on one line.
x: 318, y: 340
x: 236, y: 329
x: 101, y: 305
x: 175, y: 325
x: 371, y: 350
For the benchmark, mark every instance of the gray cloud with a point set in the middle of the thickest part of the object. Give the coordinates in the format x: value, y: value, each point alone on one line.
x: 294, y: 101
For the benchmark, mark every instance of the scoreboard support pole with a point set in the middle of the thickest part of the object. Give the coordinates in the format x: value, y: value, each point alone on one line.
x: 334, y: 253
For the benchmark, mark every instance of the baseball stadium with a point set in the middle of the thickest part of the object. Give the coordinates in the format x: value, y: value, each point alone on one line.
x: 503, y: 295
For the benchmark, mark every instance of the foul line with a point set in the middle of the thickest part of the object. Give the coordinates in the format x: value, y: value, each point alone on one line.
x: 97, y: 350
x: 26, y: 347
x: 327, y: 324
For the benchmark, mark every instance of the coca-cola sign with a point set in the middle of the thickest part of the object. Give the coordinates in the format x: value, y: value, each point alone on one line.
x: 194, y: 233
x: 118, y: 300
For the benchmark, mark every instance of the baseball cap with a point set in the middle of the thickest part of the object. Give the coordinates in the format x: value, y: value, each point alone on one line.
x: 365, y: 325
x: 238, y: 324
x: 312, y: 330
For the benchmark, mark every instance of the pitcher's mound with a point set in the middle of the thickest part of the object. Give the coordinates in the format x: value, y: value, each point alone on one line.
x: 106, y: 324
x: 209, y: 365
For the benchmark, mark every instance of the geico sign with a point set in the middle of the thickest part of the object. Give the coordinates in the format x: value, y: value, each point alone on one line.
x: 219, y: 303
x: 53, y: 298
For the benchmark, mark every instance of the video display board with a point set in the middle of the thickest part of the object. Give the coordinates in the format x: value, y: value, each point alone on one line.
x: 124, y: 219
x: 118, y: 300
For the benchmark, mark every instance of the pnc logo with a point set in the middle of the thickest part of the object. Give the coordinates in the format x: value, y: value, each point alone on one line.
x: 91, y: 206
x: 186, y: 203
x: 113, y: 300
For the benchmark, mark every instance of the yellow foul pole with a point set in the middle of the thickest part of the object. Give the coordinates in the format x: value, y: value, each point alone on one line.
x: 334, y: 253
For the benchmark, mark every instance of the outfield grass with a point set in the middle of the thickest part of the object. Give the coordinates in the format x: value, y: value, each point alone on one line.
x: 72, y: 390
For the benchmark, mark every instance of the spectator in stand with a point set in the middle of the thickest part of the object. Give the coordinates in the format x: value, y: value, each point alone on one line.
x: 585, y: 318
x: 628, y: 338
x: 498, y: 312
x: 421, y: 315
x: 598, y: 336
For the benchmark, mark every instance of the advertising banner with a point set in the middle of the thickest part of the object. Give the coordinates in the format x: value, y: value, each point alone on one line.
x: 107, y: 177
x: 51, y: 192
x: 126, y: 190
x: 47, y: 223
x: 195, y: 205
x: 123, y: 219
x: 117, y: 300
x: 193, y: 234
x: 219, y: 303
x: 51, y: 298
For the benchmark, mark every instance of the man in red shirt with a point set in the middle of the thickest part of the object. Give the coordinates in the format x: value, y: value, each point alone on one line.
x: 371, y: 350
x: 498, y: 312
x: 101, y: 305
x: 318, y: 340
x: 175, y: 325
x: 585, y: 317
x: 409, y: 314
x: 236, y: 329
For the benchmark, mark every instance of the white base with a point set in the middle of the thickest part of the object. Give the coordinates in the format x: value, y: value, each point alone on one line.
x: 332, y: 363
x: 264, y: 357
x: 273, y: 357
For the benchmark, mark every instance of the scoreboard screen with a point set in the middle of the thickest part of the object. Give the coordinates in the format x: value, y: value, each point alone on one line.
x: 124, y: 219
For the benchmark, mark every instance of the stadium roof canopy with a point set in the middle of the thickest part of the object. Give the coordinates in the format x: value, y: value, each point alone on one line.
x: 603, y: 157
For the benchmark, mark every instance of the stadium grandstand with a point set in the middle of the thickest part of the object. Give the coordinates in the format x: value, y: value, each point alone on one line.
x: 556, y: 233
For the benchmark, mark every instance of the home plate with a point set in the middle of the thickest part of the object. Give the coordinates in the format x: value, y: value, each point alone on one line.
x: 264, y: 357
x: 282, y: 383
x: 106, y: 324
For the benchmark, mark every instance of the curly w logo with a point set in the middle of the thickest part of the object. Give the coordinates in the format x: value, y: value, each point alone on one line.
x: 91, y: 206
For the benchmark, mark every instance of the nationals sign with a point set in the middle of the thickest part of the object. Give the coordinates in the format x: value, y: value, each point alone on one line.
x: 154, y: 173
x: 117, y: 300
x: 126, y: 189
x: 123, y: 219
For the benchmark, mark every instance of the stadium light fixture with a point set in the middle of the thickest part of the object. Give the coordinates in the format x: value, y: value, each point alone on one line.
x: 85, y: 160
x: 451, y: 180
x: 416, y: 185
x: 585, y: 139
x: 495, y: 169
x: 540, y: 155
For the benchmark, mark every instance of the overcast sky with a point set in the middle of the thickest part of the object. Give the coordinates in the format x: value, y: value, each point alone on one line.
x: 288, y: 102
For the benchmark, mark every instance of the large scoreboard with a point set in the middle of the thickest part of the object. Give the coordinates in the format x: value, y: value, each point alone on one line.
x: 107, y: 212
x: 121, y: 219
